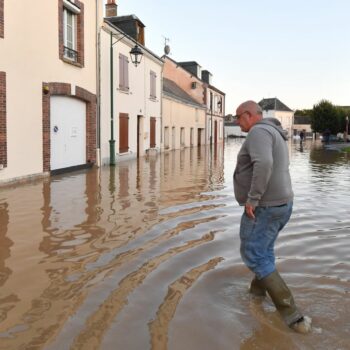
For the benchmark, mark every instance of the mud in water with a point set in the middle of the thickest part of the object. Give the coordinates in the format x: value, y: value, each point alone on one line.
x: 146, y: 256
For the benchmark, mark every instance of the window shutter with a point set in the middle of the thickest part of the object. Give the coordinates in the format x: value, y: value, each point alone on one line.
x: 123, y: 132
x: 121, y: 71
x: 152, y: 132
x: 153, y: 84
x: 126, y: 73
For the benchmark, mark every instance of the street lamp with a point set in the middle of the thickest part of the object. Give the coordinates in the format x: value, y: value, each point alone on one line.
x: 136, y: 56
x: 219, y: 105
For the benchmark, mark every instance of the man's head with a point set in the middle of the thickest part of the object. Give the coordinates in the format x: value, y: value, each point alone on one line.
x: 248, y: 114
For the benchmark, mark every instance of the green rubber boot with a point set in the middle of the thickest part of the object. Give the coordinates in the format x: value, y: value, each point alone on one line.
x: 281, y: 297
x: 256, y: 288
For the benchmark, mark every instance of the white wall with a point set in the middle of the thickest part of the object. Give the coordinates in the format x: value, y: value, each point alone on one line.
x: 135, y: 102
x: 29, y: 55
x: 180, y: 115
x: 234, y: 131
x: 217, y: 115
x: 285, y: 118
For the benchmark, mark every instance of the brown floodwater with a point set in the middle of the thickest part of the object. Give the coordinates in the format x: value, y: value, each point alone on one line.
x: 146, y: 256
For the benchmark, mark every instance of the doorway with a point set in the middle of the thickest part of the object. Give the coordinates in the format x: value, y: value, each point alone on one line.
x: 68, y: 132
x: 139, y: 135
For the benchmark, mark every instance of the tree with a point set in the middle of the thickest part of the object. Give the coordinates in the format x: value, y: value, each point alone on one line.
x: 343, y: 112
x: 303, y: 112
x: 324, y: 115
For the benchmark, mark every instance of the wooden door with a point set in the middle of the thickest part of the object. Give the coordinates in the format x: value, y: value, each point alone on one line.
x: 199, y: 133
x: 123, y: 132
x: 153, y: 132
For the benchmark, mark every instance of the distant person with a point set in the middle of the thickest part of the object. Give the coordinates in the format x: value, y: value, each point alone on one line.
x: 302, y: 136
x: 326, y: 135
x: 262, y: 184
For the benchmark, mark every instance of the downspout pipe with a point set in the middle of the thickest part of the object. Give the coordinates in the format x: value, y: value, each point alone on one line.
x: 98, y: 85
x: 161, y: 107
x: 111, y: 141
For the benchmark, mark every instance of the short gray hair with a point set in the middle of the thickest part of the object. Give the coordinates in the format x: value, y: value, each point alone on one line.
x: 252, y: 107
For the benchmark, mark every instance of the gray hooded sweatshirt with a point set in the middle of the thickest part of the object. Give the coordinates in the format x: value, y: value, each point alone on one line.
x: 261, y: 177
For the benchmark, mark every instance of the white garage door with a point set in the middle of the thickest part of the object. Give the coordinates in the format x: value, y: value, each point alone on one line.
x: 68, y: 132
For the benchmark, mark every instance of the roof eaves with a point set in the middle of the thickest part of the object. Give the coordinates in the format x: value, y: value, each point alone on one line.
x: 216, y: 89
x: 183, y: 100
x: 133, y: 40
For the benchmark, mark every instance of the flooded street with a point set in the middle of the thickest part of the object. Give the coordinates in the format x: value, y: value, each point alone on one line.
x: 146, y: 256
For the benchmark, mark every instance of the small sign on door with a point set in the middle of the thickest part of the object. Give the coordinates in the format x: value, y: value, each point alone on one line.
x: 74, y: 131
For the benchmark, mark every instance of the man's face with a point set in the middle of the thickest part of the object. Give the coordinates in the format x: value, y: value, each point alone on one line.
x: 243, y: 119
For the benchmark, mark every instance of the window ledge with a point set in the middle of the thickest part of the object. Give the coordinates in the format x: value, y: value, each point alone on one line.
x: 125, y: 153
x: 69, y: 5
x: 123, y: 91
x: 153, y: 99
x: 76, y: 64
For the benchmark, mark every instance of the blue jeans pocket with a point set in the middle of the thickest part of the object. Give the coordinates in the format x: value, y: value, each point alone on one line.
x: 247, y: 227
x: 278, y: 212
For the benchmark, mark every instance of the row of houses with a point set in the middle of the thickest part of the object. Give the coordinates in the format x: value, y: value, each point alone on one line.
x: 80, y: 88
x: 272, y: 108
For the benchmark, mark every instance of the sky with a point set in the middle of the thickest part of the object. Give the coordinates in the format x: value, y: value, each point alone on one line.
x: 297, y: 51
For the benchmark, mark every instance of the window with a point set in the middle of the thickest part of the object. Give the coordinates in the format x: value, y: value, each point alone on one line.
x: 166, y: 137
x: 215, y: 103
x: 182, y: 136
x: 71, y: 31
x: 153, y: 92
x: 2, y: 18
x: 123, y: 72
x: 220, y: 104
x: 140, y: 35
x: 209, y: 128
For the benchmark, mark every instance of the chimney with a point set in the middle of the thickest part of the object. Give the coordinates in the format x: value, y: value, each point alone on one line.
x: 111, y: 8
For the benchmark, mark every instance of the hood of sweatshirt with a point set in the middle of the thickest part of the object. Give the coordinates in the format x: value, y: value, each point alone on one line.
x: 275, y: 123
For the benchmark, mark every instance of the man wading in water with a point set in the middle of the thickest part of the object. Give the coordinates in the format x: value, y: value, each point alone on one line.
x: 262, y: 184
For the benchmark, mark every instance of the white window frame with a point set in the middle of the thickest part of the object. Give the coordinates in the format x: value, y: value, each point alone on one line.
x: 67, y: 11
x: 215, y: 103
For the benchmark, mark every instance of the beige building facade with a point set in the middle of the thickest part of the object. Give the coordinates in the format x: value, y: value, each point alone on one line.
x: 183, y: 110
x: 274, y: 108
x: 203, y: 91
x: 135, y: 90
x: 215, y: 102
x: 47, y: 86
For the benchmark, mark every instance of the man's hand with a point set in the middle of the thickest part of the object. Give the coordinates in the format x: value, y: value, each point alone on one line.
x: 249, y: 210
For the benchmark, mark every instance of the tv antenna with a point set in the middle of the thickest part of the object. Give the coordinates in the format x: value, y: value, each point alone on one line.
x: 166, y: 46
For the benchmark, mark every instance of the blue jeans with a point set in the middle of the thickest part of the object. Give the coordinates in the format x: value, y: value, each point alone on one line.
x: 258, y: 237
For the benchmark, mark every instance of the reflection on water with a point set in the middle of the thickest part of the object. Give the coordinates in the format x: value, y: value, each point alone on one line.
x: 146, y: 256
